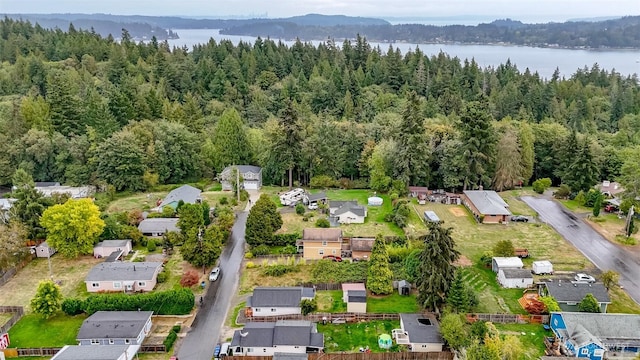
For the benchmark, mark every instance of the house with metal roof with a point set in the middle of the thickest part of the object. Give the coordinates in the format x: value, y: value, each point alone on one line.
x: 596, y: 335
x: 515, y: 278
x: 420, y: 332
x: 512, y: 262
x: 115, y: 328
x: 185, y: 193
x: 347, y: 212
x: 123, y: 276
x: 109, y: 352
x: 274, y: 301
x: 569, y: 294
x: 250, y: 177
x: 284, y: 336
x: 486, y: 206
x: 157, y: 227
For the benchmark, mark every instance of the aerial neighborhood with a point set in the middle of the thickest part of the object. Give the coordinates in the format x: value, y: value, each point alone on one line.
x: 280, y: 202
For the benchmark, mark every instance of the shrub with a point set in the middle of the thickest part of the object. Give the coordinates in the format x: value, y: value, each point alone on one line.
x: 323, y: 223
x: 176, y: 328
x: 72, y: 306
x: 305, y: 218
x: 248, y: 255
x: 487, y: 258
x: 345, y: 183
x: 234, y: 202
x: 300, y: 209
x: 224, y: 200
x: 140, y: 258
x: 244, y: 195
x: 563, y: 192
x: 278, y: 270
x: 172, y: 302
x: 541, y: 185
x: 321, y: 181
x: 163, y: 276
x: 289, y: 250
x: 307, y: 306
x: 581, y: 198
x: 190, y: 278
x: 251, y: 265
x: 151, y: 246
x: 171, y: 338
x: 260, y: 250
x: 592, y: 196
x: 503, y: 248
x: 285, y: 239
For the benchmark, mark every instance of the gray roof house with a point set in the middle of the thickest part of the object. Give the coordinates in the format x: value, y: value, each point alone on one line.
x: 156, y: 227
x: 115, y: 328
x: 187, y: 193
x: 347, y: 212
x: 486, y: 206
x: 420, y: 332
x: 251, y: 177
x: 596, y: 336
x: 267, y: 338
x: 106, y: 247
x: 568, y: 295
x: 123, y: 276
x: 111, y: 352
x: 275, y: 301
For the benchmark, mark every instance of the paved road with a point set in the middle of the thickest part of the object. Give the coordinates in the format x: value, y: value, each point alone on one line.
x: 603, y: 253
x: 205, y: 330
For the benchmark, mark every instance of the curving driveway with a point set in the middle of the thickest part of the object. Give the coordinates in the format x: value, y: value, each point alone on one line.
x: 603, y: 253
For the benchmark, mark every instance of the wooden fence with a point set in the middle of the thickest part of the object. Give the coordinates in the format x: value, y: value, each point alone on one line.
x: 17, y: 312
x: 152, y: 348
x: 509, y: 318
x: 37, y: 351
x: 363, y: 356
x: 327, y: 317
x: 7, y: 275
x: 322, y: 286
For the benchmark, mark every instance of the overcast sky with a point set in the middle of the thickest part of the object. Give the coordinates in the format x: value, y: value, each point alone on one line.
x: 532, y: 10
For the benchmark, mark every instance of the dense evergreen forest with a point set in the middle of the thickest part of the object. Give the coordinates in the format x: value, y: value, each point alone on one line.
x: 81, y: 109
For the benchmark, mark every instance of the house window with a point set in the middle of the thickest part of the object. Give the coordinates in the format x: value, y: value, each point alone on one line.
x: 321, y: 251
x: 584, y: 351
x: 111, y: 342
x: 95, y: 342
x: 264, y: 350
x: 249, y: 350
x: 572, y: 303
x: 333, y: 251
x: 142, y: 283
x: 257, y: 310
x: 127, y: 341
x: 95, y: 285
x: 273, y: 310
x: 117, y: 285
x: 324, y: 243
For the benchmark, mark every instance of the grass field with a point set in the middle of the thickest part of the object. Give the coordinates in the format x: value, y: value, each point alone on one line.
x: 32, y: 331
x: 493, y: 298
x: 611, y: 226
x: 352, y: 337
x: 330, y: 301
x: 531, y: 336
x: 392, y: 304
x: 140, y: 201
x: 575, y: 206
x: 251, y: 278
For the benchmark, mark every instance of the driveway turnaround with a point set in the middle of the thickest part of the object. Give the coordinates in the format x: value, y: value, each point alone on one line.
x: 603, y: 253
x: 201, y: 340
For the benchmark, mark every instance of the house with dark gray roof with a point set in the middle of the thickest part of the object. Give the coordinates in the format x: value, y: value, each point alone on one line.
x: 486, y: 206
x: 157, y: 227
x: 569, y: 294
x: 315, y: 198
x: 274, y: 301
x: 284, y: 336
x: 123, y: 276
x: 250, y: 177
x: 109, y: 352
x: 597, y: 336
x: 515, y: 278
x: 420, y: 332
x: 347, y: 212
x: 107, y: 247
x: 185, y: 193
x: 115, y: 328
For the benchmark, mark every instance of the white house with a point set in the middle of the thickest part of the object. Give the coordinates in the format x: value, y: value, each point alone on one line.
x: 347, y: 212
x: 115, y: 328
x: 513, y: 262
x: 110, y: 352
x: 274, y: 301
x: 157, y: 227
x: 420, y: 332
x: 284, y: 336
x: 251, y: 177
x: 515, y: 278
x: 107, y: 247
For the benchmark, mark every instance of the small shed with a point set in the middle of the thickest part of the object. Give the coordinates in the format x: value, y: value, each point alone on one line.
x: 430, y: 216
x: 513, y: 262
x: 404, y: 287
x: 357, y: 301
x: 542, y: 267
x: 44, y: 251
x: 515, y: 278
x: 350, y: 286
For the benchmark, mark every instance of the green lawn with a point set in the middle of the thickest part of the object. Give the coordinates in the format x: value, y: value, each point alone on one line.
x: 352, y: 337
x: 531, y: 336
x: 493, y: 297
x: 32, y: 331
x: 234, y: 314
x: 392, y: 304
x: 330, y: 301
x: 621, y: 302
x: 574, y: 206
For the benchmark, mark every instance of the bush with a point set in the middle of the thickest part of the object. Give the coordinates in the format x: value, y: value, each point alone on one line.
x: 223, y: 200
x: 244, y: 195
x: 321, y: 181
x: 289, y: 250
x: 72, y: 306
x: 248, y: 255
x: 487, y: 258
x: 234, y: 202
x: 260, y: 250
x: 323, y: 223
x: 172, y: 302
x: 176, y: 328
x: 307, y: 306
x: 592, y: 196
x: 163, y: 276
x: 345, y: 183
x: 503, y: 248
x: 285, y: 239
x: 251, y: 265
x: 541, y: 185
x: 563, y: 192
x: 300, y: 209
x: 141, y: 258
x: 190, y: 278
x: 278, y: 270
x: 151, y: 246
x: 171, y: 338
x: 305, y: 218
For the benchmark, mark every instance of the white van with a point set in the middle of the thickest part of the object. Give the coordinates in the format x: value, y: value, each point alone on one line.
x: 224, y: 349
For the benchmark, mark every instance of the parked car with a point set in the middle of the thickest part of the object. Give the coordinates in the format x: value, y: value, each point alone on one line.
x: 519, y: 218
x: 313, y: 206
x: 332, y: 258
x: 585, y: 278
x: 215, y: 273
x: 610, y: 208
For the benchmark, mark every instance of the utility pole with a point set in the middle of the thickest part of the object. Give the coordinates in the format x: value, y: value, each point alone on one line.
x: 238, y: 182
x: 204, y: 271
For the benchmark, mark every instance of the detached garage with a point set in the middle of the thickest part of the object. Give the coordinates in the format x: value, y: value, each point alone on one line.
x: 515, y: 278
x: 506, y: 263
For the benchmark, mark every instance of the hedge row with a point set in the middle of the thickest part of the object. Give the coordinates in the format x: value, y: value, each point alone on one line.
x: 285, y: 239
x: 172, y: 302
